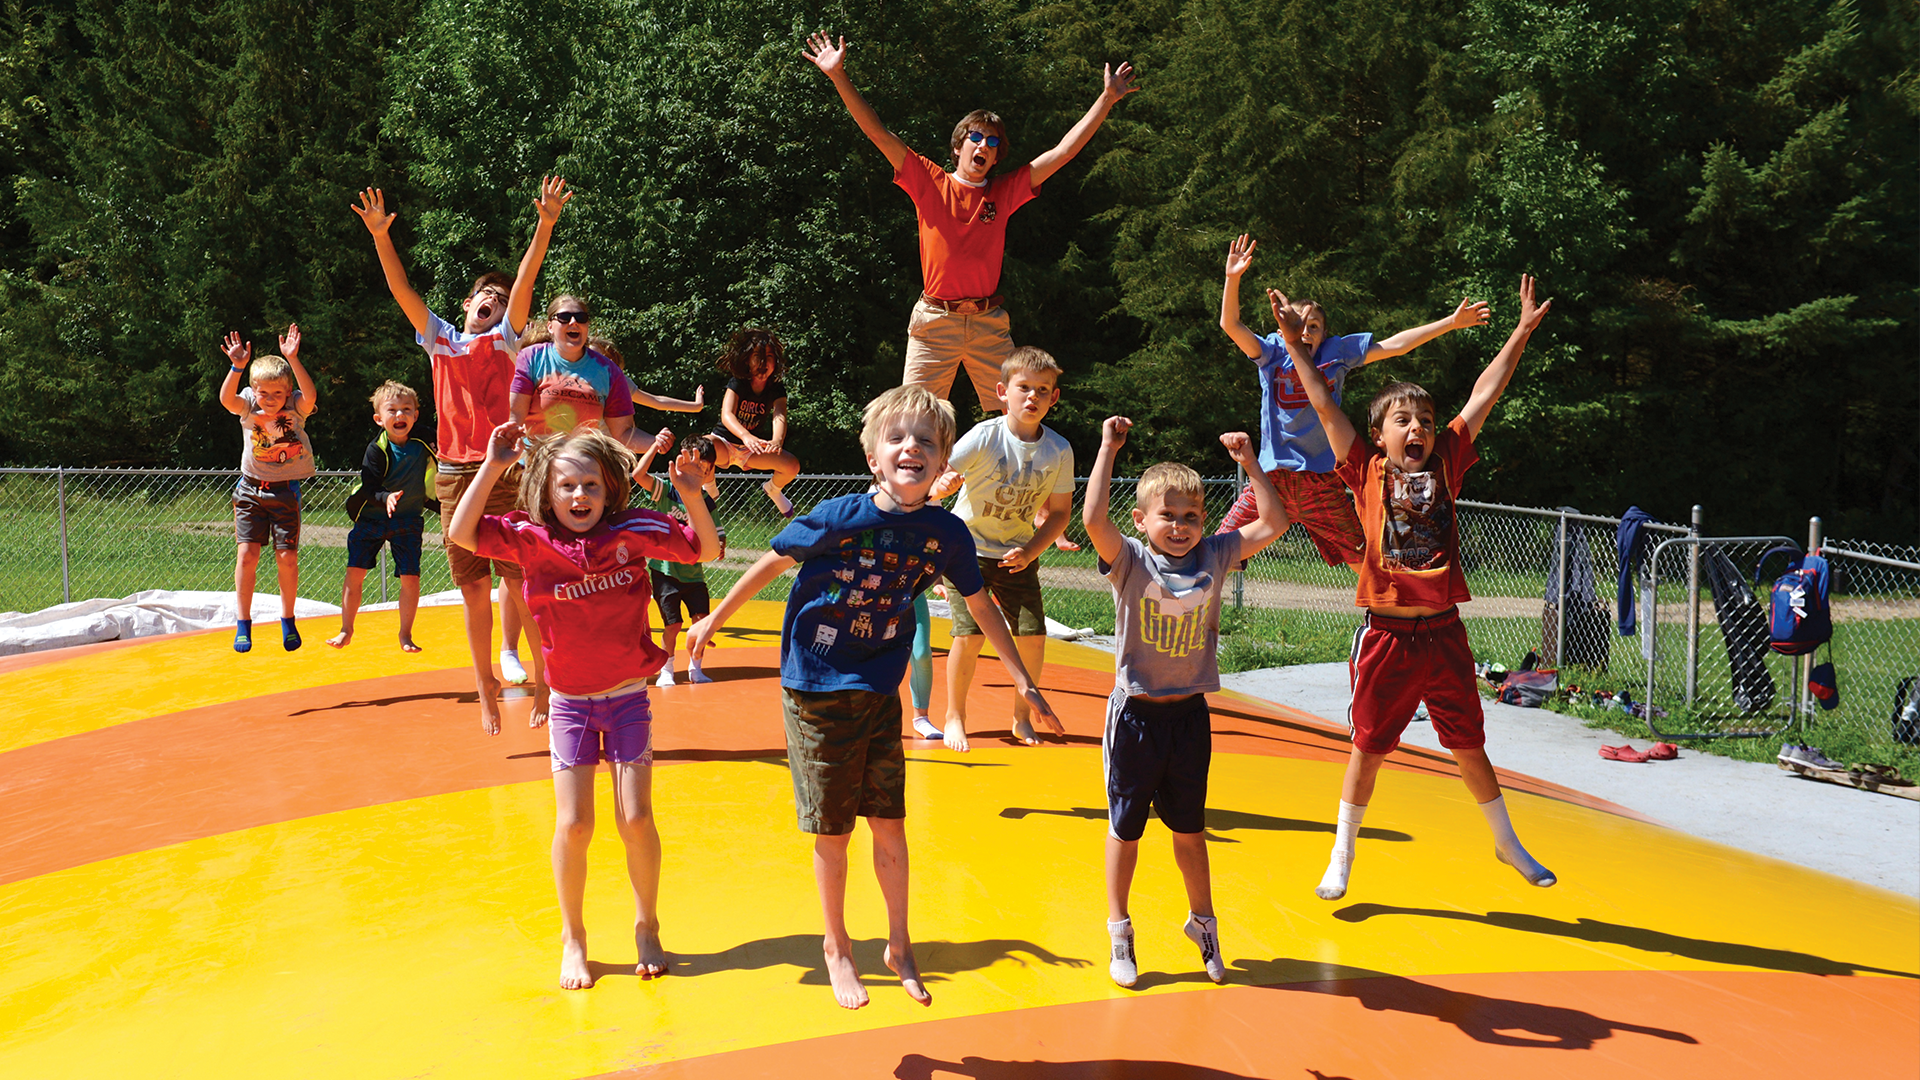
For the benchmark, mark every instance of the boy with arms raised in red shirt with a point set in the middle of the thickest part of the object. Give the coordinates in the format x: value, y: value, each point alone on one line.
x: 963, y: 226
x: 1411, y: 646
x: 472, y: 365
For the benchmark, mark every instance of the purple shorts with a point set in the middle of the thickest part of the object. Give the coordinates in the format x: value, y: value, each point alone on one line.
x: 577, y: 727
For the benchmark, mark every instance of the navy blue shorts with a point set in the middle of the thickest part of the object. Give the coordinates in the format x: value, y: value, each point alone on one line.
x: 1156, y: 754
x: 403, y: 532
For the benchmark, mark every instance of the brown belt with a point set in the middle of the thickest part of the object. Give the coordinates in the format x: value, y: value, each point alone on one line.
x: 976, y: 305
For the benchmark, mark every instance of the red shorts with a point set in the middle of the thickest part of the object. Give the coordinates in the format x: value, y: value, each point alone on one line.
x: 1319, y: 502
x: 1398, y: 663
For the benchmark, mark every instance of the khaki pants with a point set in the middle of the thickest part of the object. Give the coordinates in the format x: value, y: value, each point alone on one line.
x: 939, y: 342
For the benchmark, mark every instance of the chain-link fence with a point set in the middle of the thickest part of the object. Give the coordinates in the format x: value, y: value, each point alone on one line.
x: 1543, y: 581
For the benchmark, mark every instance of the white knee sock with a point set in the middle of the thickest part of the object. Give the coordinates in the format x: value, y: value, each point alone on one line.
x: 1333, y: 885
x: 1506, y: 845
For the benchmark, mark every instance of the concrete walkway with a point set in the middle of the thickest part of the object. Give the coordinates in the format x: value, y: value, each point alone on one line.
x: 1749, y: 805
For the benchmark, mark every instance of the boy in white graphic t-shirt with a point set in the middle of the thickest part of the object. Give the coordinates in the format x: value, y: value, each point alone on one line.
x: 1008, y: 469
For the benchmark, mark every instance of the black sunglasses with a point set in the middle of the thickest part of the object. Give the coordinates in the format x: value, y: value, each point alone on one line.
x: 580, y: 317
x: 981, y: 136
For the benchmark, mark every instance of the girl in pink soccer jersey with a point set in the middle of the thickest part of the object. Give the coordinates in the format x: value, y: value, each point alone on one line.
x: 584, y: 557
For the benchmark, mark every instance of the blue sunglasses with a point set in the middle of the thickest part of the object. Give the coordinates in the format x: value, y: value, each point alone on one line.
x: 981, y: 136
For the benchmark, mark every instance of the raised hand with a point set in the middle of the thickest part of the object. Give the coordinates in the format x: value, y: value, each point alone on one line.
x: 238, y: 352
x: 1117, y: 83
x: 373, y: 211
x: 1471, y: 313
x: 1114, y: 432
x: 503, y: 446
x: 662, y: 441
x: 290, y: 342
x: 1290, y: 321
x: 1530, y: 315
x: 1240, y: 255
x: 700, y: 395
x: 828, y: 56
x: 552, y: 199
x: 688, y: 471
x: 1240, y: 448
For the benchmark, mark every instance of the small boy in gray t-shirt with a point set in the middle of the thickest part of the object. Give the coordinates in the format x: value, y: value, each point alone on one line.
x: 1159, y: 739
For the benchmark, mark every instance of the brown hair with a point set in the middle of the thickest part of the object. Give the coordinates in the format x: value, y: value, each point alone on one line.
x: 1168, y: 476
x: 616, y: 464
x: 605, y: 347
x: 913, y: 402
x: 491, y: 279
x: 391, y: 389
x: 737, y: 359
x: 980, y: 118
x: 1393, y: 394
x: 1031, y: 359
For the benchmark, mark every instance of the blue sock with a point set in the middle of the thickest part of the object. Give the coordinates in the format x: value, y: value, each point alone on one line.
x: 243, y: 635
x: 289, y: 636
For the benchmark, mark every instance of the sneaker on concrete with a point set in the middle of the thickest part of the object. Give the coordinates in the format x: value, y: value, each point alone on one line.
x: 1808, y: 755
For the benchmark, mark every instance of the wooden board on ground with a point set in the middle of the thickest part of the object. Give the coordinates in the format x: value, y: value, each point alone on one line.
x: 1865, y: 781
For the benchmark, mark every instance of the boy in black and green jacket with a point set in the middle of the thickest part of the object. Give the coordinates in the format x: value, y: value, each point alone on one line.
x: 387, y: 508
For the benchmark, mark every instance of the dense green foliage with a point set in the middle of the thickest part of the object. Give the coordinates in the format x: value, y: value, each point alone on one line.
x: 1720, y: 196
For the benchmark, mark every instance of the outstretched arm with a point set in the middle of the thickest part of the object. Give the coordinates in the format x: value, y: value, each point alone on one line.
x: 643, y: 479
x: 1340, y: 434
x: 1093, y: 513
x: 1469, y: 313
x: 1255, y: 535
x: 770, y: 566
x: 688, y: 474
x: 831, y: 58
x: 553, y: 198
x: 672, y: 404
x: 502, y: 448
x: 1493, y: 381
x: 290, y: 348
x: 373, y: 213
x: 1115, y: 85
x: 1239, y: 258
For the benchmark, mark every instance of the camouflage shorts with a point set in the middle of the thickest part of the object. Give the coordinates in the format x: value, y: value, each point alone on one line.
x: 844, y: 751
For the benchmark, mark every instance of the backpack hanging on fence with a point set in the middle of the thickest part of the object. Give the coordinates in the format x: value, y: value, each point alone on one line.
x: 1743, y: 626
x: 1798, y: 618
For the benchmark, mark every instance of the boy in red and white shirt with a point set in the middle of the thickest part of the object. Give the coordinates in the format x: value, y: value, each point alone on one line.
x: 963, y: 226
x: 1412, y: 647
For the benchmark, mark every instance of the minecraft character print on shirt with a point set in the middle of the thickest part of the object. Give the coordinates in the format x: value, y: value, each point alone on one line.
x: 1419, y: 519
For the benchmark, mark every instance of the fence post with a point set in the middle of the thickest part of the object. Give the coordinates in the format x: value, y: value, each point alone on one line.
x: 1560, y: 596
x: 66, y: 580
x: 1693, y: 606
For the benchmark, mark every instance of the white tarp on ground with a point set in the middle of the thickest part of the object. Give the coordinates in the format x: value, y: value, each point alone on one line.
x: 155, y: 611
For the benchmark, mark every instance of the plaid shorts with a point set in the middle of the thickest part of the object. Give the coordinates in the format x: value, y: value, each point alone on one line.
x: 1319, y: 502
x: 843, y: 748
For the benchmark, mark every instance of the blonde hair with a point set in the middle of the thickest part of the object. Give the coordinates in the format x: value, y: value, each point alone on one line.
x: 908, y: 402
x: 616, y: 464
x: 390, y: 390
x: 1031, y: 359
x: 1168, y: 476
x: 271, y: 368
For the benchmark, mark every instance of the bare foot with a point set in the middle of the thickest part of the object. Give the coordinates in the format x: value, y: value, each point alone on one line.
x: 956, y: 734
x: 902, y: 964
x: 653, y: 958
x: 339, y: 640
x: 541, y: 703
x: 846, y: 978
x: 1023, y: 730
x: 406, y: 643
x: 490, y: 705
x: 574, y: 974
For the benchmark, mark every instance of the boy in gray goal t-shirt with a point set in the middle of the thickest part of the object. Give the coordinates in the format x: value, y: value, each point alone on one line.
x: 1159, y: 741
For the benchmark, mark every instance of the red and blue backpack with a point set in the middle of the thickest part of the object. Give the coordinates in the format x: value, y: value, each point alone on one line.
x: 1798, y: 618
